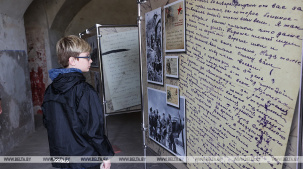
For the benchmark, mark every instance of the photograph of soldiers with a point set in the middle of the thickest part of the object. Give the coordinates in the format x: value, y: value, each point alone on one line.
x: 154, y: 61
x: 167, y: 123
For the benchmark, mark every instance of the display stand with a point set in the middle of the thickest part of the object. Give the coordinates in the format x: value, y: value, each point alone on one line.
x: 119, y: 92
x: 144, y: 128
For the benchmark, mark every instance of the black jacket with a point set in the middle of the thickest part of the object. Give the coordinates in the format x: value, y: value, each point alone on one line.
x: 73, y: 117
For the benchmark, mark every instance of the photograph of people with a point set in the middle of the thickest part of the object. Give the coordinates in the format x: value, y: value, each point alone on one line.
x: 167, y: 123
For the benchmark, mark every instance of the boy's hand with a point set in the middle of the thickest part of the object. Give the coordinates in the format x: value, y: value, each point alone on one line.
x: 105, y: 165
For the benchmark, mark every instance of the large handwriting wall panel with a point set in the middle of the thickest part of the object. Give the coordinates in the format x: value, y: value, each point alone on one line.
x: 241, y: 77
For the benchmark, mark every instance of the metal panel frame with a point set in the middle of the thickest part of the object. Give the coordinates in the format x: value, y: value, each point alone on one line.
x: 96, y: 29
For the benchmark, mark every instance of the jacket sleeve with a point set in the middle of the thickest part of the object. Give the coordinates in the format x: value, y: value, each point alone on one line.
x: 91, y: 115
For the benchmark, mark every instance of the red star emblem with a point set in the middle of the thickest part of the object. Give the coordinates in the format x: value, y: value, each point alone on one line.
x: 179, y: 10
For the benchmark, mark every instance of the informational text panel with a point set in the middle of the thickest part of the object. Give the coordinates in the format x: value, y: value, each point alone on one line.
x: 120, y: 59
x: 240, y: 76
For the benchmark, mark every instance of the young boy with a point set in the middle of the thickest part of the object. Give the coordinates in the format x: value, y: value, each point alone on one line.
x: 72, y: 111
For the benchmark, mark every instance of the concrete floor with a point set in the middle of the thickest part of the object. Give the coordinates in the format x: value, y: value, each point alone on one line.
x: 124, y: 132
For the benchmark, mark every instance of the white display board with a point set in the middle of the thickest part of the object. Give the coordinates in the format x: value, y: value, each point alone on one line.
x: 121, y: 68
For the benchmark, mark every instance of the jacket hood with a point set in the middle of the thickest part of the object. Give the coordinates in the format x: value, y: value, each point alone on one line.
x: 65, y: 78
x: 53, y: 73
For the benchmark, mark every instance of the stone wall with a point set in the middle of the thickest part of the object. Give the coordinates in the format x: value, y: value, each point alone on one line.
x: 16, y: 119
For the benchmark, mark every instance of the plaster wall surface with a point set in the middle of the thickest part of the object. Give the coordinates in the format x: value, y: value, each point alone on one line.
x: 12, y: 33
x: 16, y: 119
x: 114, y: 12
x: 51, y: 9
x: 14, y: 9
x: 38, y: 51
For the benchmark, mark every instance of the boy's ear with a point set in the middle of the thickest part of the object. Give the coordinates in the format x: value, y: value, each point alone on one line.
x: 72, y: 61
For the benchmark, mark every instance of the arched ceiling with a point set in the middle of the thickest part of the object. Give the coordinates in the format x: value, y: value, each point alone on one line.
x: 66, y: 13
x: 63, y: 15
x: 14, y: 8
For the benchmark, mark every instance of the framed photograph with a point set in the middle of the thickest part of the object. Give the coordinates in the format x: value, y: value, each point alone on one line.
x: 93, y: 41
x: 174, y: 27
x: 172, y: 95
x: 166, y: 123
x: 154, y: 60
x: 172, y: 66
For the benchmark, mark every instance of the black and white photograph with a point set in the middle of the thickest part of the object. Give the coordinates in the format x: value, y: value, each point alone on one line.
x: 172, y: 95
x: 154, y: 60
x: 167, y: 123
x: 172, y: 66
x: 94, y: 54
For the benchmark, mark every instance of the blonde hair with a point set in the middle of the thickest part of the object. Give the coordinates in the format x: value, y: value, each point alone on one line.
x: 70, y: 46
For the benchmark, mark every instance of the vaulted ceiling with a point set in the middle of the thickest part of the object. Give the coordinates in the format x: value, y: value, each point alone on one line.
x: 14, y: 8
x: 60, y: 12
x: 66, y: 13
